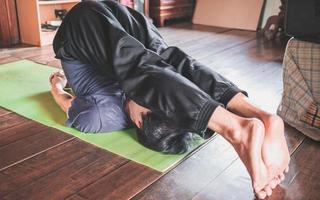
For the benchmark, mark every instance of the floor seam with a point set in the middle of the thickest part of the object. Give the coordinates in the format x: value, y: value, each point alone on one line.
x: 33, y: 155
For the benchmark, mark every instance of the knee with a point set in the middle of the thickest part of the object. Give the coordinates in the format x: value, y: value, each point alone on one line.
x: 87, y: 128
x: 87, y: 122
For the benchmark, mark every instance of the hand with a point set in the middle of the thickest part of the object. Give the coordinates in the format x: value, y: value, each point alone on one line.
x: 136, y: 112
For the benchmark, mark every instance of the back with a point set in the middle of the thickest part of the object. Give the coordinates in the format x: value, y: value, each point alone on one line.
x: 303, y: 19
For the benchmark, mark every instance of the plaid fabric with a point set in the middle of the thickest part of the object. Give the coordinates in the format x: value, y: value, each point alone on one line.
x: 300, y: 105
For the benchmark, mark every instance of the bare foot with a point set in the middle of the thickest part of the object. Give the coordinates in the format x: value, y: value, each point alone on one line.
x: 249, y: 147
x: 57, y: 80
x: 275, y: 151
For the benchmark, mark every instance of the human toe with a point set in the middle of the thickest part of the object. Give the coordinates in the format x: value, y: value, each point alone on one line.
x: 281, y: 177
x: 286, y: 169
x: 268, y: 190
x: 274, y: 182
x: 261, y: 194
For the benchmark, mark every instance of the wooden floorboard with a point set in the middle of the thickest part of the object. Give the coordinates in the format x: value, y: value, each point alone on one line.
x: 83, y: 165
x: 74, y: 197
x: 10, y: 119
x: 123, y: 183
x: 30, y: 52
x: 4, y: 111
x: 38, y: 162
x: 20, y: 175
x: 22, y: 130
x: 189, y: 35
x: 188, y: 178
x: 27, y: 147
x: 214, y: 44
x: 9, y: 59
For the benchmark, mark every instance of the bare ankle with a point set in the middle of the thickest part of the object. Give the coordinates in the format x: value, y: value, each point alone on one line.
x: 251, y: 127
x: 273, y: 118
x: 225, y: 123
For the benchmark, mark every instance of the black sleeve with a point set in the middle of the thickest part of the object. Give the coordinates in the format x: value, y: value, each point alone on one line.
x: 209, y: 81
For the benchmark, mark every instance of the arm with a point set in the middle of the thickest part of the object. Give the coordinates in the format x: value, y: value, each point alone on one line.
x: 211, y: 82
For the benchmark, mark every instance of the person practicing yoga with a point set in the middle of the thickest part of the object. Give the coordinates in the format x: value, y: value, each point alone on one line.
x: 123, y: 74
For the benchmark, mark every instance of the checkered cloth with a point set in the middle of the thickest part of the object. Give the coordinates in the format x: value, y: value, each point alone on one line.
x: 300, y: 105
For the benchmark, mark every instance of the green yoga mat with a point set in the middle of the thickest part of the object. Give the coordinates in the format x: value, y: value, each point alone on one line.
x: 24, y: 89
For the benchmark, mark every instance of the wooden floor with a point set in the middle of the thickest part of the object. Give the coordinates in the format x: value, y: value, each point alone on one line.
x: 38, y: 162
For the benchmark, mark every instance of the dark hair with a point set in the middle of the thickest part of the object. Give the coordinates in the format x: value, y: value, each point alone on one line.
x: 160, y: 134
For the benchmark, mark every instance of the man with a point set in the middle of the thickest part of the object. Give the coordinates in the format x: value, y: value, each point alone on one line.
x: 116, y: 61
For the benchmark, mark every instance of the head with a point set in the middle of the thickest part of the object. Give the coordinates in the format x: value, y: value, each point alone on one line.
x: 160, y: 134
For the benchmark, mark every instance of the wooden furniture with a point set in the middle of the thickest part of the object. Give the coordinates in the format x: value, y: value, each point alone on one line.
x: 9, y: 32
x: 129, y: 3
x: 161, y: 10
x: 132, y: 4
x: 146, y: 8
x: 32, y: 13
